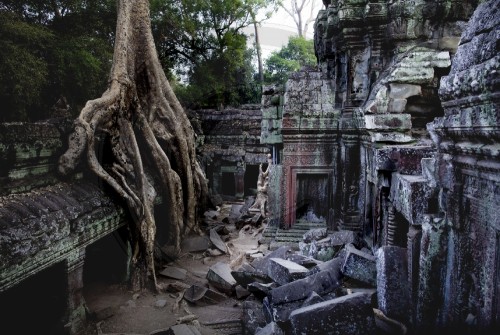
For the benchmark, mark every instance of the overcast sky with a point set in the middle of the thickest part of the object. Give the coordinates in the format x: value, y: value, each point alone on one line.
x: 275, y: 31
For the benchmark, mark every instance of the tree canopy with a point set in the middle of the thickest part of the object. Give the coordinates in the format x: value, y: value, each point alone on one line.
x: 203, y: 42
x: 49, y: 49
x: 297, y: 53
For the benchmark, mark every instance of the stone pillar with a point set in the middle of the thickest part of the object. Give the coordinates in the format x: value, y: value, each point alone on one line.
x: 76, y: 308
x: 414, y: 238
x: 352, y: 183
x: 432, y: 272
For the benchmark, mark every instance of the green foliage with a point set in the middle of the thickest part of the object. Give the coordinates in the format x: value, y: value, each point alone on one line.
x: 201, y: 41
x: 23, y: 67
x: 49, y: 49
x: 297, y: 53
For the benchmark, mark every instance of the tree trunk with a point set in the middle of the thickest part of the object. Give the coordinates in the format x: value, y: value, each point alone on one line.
x: 151, y: 138
x: 259, y: 51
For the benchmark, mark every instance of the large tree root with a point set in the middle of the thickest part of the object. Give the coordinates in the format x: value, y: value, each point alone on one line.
x: 151, y: 140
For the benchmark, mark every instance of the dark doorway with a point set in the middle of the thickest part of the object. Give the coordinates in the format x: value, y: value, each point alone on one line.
x: 106, y: 260
x: 228, y: 186
x: 312, y: 196
x: 251, y: 176
x: 37, y: 305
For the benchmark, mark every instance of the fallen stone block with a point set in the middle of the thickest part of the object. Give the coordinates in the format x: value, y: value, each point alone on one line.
x: 351, y: 314
x: 261, y: 290
x: 344, y: 237
x: 360, y: 266
x: 182, y: 329
x: 202, y: 296
x: 312, y: 298
x: 392, y: 282
x: 262, y: 264
x: 283, y: 271
x: 334, y: 266
x: 253, y: 316
x: 195, y: 244
x: 305, y: 261
x: 173, y: 272
x: 322, y: 283
x: 270, y: 329
x: 217, y: 241
x: 314, y: 235
x: 219, y: 275
x: 245, y: 277
x: 279, y: 313
x: 241, y: 292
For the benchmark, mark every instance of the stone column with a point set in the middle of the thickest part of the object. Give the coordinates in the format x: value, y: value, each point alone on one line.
x: 433, y: 251
x: 76, y: 308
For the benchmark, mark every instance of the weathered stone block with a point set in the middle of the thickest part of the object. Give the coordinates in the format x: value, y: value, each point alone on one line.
x: 262, y: 264
x: 360, y: 266
x: 270, y: 329
x: 174, y: 272
x: 322, y: 283
x: 253, y: 316
x: 314, y: 235
x: 279, y: 313
x: 217, y: 241
x: 312, y: 299
x: 283, y: 271
x: 219, y: 275
x: 392, y: 282
x: 408, y: 194
x: 261, y: 290
x: 195, y: 244
x: 403, y: 91
x: 388, y: 121
x: 351, y: 314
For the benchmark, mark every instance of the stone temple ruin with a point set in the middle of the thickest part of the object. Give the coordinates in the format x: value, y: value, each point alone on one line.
x: 383, y: 197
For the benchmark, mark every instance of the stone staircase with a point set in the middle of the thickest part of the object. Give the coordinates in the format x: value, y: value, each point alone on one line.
x: 277, y: 237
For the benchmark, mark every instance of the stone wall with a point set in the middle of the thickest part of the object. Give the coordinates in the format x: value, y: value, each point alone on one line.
x: 230, y: 148
x: 410, y: 144
x: 45, y: 222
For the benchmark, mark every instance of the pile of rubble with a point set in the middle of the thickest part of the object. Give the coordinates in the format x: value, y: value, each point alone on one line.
x: 330, y: 285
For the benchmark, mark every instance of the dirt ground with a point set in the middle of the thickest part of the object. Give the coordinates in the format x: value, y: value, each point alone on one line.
x: 116, y: 310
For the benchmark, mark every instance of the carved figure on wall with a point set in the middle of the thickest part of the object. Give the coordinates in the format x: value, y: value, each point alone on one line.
x: 262, y: 186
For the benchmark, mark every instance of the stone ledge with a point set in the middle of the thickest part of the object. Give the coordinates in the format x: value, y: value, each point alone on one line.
x: 46, y: 226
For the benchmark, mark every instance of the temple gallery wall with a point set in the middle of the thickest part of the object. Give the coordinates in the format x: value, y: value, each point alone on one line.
x: 394, y: 137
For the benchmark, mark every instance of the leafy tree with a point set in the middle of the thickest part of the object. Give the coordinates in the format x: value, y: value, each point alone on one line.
x: 202, y: 41
x: 24, y: 69
x: 297, y: 53
x: 53, y: 48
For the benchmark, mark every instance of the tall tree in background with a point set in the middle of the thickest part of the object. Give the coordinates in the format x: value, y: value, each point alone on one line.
x: 203, y: 41
x: 303, y: 12
x: 151, y: 140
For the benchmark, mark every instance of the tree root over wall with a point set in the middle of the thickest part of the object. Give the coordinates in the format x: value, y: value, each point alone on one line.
x: 151, y: 140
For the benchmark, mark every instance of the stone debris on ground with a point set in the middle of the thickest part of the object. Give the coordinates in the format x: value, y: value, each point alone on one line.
x: 202, y: 296
x: 181, y: 329
x: 351, y: 314
x: 195, y: 244
x: 283, y: 271
x: 174, y: 272
x: 217, y: 241
x: 219, y: 275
